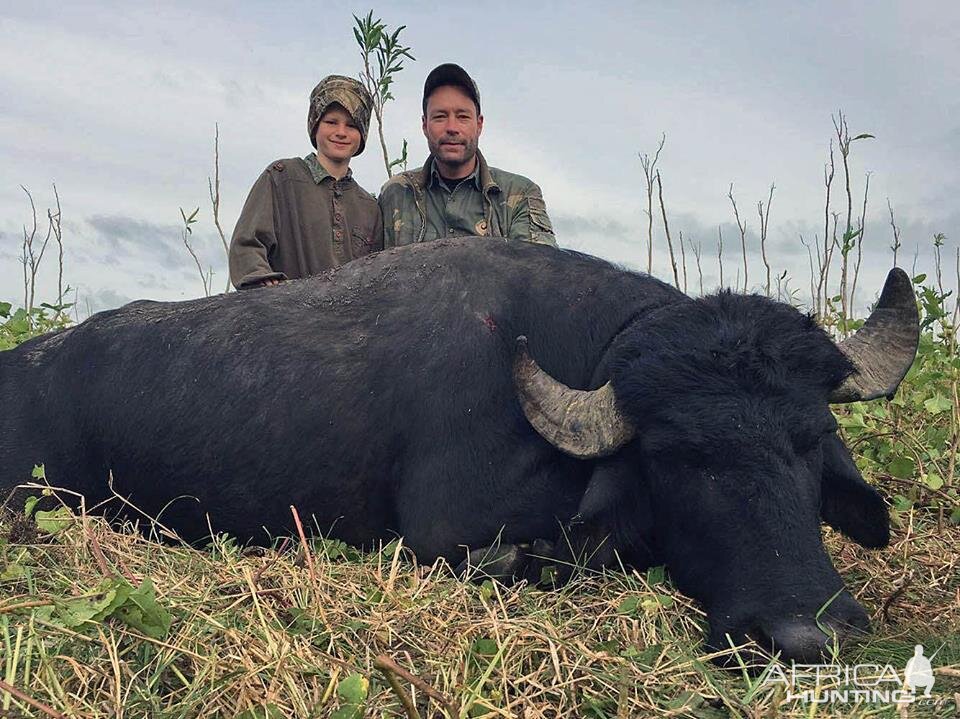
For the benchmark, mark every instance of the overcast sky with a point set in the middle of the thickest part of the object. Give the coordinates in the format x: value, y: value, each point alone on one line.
x: 116, y: 104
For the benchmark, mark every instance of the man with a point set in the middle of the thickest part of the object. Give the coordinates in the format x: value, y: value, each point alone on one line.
x: 456, y: 192
x: 304, y: 216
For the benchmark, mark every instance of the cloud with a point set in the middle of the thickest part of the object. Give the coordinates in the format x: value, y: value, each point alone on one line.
x: 99, y: 300
x: 118, y: 237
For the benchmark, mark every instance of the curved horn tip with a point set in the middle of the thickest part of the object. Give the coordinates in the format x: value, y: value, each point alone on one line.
x: 885, y: 347
x: 897, y: 286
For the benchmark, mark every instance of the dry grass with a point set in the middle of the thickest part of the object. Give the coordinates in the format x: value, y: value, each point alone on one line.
x: 268, y: 633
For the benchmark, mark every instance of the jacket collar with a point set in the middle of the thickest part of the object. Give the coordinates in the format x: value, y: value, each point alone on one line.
x: 487, y: 183
x: 318, y: 172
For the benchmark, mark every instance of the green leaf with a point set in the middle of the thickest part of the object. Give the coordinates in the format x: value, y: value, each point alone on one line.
x: 352, y: 690
x: 29, y: 505
x: 335, y: 549
x: 14, y: 568
x: 389, y: 549
x: 902, y: 503
x: 919, y: 278
x: 268, y: 711
x: 301, y: 621
x: 142, y: 611
x: 647, y: 656
x: 863, y: 136
x: 653, y: 604
x: 54, y: 521
x: 548, y: 575
x: 485, y: 647
x: 854, y: 420
x: 74, y: 612
x: 628, y: 606
x: 933, y: 480
x: 656, y: 575
x: 955, y: 516
x: 39, y: 472
x: 5, y: 309
x: 12, y: 571
x: 901, y: 467
x: 115, y: 593
x: 937, y: 404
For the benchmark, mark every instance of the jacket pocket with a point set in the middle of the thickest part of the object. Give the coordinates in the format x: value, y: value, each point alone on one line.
x: 539, y: 220
x: 361, y: 242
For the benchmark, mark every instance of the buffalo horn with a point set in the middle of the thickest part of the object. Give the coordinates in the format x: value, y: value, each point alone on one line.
x: 582, y: 423
x: 883, y: 349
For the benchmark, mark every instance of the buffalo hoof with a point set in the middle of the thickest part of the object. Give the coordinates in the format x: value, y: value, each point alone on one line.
x: 503, y: 562
x: 509, y: 563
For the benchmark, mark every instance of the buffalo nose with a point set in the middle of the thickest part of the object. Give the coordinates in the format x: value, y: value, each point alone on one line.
x: 797, y: 640
x: 807, y: 641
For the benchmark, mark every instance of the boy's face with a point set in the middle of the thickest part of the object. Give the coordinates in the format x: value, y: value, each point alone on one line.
x: 338, y: 137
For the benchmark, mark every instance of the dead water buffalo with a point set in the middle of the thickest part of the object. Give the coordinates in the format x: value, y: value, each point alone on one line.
x: 392, y: 396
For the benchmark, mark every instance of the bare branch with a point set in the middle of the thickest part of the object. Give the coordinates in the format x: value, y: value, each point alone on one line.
x: 828, y: 174
x: 186, y: 232
x: 863, y: 224
x: 649, y: 168
x: 720, y: 253
x: 743, y: 236
x: 697, y: 251
x: 26, y: 251
x: 896, y: 234
x: 666, y: 229
x: 56, y: 225
x: 843, y: 142
x: 764, y: 226
x: 214, y: 187
x: 683, y: 261
x: 813, y: 287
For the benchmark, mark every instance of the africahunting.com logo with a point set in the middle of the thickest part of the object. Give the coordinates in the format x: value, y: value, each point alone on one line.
x: 856, y: 683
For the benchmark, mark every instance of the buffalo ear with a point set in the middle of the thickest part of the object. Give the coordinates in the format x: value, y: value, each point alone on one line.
x: 848, y: 504
x: 614, y: 498
x: 613, y: 517
x: 602, y: 494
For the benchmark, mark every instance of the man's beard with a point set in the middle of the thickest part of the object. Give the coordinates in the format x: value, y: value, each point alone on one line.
x: 469, y: 152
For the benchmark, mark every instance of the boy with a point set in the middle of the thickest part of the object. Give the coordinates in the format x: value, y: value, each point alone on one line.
x: 304, y: 216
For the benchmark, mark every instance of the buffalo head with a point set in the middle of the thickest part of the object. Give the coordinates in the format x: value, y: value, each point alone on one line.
x: 717, y: 454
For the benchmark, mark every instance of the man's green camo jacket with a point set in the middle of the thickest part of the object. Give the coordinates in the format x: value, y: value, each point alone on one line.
x: 512, y: 207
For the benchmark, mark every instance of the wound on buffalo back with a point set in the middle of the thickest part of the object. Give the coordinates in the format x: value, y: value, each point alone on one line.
x: 489, y: 322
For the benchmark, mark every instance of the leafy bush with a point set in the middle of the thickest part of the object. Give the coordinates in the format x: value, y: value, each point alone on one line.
x: 19, y: 326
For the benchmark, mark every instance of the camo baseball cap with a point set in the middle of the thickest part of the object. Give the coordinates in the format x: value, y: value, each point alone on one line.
x: 450, y: 74
x: 348, y: 93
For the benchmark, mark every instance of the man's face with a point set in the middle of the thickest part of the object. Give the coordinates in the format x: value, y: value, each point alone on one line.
x: 338, y: 137
x: 452, y: 127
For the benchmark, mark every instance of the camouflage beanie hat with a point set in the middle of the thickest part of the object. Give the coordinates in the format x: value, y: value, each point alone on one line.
x: 348, y: 93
